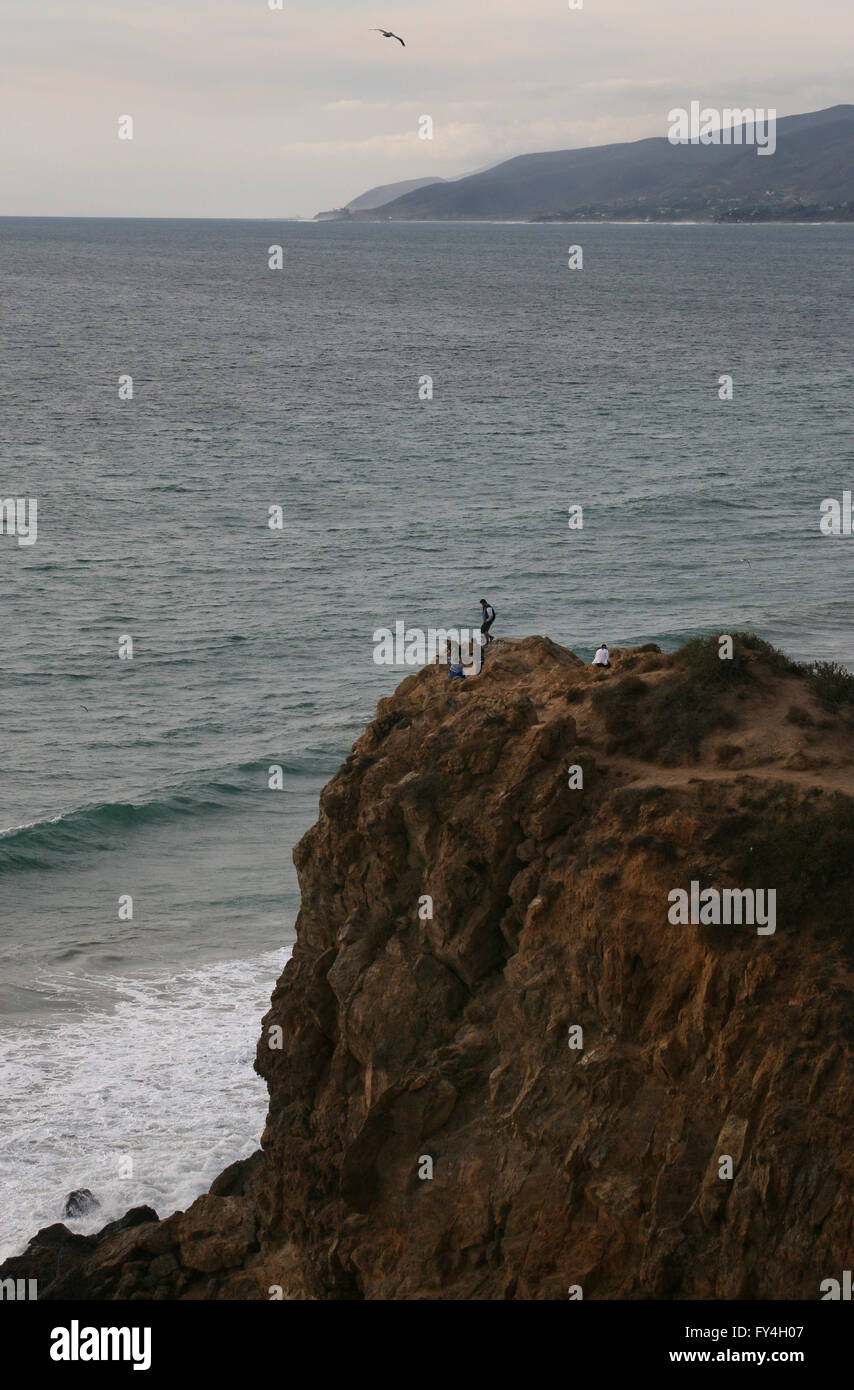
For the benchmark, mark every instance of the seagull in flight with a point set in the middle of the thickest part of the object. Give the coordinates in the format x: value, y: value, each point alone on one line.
x: 387, y: 34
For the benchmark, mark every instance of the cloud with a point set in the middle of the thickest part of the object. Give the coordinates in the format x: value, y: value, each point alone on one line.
x: 240, y: 108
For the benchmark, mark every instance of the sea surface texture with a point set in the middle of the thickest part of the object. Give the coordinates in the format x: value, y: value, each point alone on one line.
x: 182, y: 777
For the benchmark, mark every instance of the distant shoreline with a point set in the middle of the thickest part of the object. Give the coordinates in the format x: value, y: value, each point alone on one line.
x: 438, y: 221
x: 586, y: 222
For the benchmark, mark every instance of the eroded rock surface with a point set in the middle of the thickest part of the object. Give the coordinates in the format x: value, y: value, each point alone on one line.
x: 465, y: 911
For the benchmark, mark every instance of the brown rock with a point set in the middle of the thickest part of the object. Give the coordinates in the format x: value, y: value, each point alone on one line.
x: 462, y: 911
x: 216, y: 1233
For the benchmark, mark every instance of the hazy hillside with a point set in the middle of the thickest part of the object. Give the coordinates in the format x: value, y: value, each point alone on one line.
x: 386, y: 193
x: 813, y: 165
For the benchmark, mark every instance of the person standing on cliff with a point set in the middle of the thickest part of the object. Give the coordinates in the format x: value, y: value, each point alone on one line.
x: 487, y: 613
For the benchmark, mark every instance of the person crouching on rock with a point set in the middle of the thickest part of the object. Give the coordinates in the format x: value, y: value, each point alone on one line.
x: 601, y: 657
x: 488, y: 615
x: 455, y: 661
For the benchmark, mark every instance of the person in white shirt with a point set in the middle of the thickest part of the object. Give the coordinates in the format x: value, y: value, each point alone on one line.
x: 601, y: 657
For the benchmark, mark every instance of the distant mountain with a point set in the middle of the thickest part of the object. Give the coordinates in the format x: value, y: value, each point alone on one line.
x: 386, y: 193
x: 810, y: 174
x: 374, y: 198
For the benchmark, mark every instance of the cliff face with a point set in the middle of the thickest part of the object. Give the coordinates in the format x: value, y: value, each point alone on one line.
x: 503, y: 1070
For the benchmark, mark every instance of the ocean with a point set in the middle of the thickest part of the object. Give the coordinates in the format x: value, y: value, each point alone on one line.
x: 126, y: 1042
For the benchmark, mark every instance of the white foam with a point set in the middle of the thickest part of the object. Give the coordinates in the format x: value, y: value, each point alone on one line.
x: 164, y: 1080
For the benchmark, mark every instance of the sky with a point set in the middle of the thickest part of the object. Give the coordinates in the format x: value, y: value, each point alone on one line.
x: 242, y: 110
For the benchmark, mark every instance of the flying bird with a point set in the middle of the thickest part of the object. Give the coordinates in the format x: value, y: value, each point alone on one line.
x: 387, y: 34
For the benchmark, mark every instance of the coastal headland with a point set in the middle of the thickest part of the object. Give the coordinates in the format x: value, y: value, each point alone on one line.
x: 498, y: 1066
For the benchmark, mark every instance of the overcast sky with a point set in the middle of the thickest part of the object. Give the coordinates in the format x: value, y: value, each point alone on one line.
x: 244, y: 111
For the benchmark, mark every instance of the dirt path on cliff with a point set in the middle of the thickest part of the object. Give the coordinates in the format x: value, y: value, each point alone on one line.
x: 643, y: 774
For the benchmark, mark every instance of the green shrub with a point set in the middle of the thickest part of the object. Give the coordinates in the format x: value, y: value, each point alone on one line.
x: 776, y: 661
x: 700, y: 656
x: 700, y: 659
x: 665, y: 722
x: 831, y: 684
x: 680, y: 715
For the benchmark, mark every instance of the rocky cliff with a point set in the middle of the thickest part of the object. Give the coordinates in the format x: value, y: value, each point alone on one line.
x: 497, y: 1068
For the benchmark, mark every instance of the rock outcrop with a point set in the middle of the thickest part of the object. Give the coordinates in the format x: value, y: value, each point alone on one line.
x: 497, y: 1068
x: 80, y: 1202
